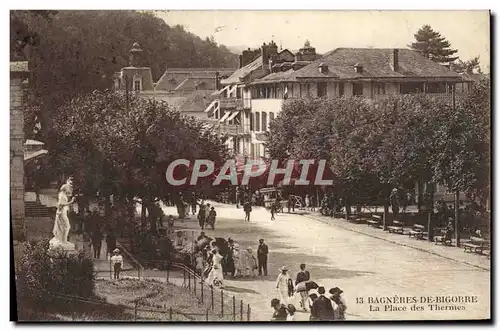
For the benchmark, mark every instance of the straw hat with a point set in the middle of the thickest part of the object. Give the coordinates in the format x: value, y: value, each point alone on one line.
x: 116, y: 250
x: 283, y: 268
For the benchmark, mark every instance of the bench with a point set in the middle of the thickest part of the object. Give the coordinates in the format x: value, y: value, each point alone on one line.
x: 417, y: 231
x: 396, y: 227
x: 442, y: 240
x: 477, y: 245
x: 355, y: 218
x: 375, y: 221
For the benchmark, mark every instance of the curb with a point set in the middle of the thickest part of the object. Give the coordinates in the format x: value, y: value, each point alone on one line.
x: 397, y: 243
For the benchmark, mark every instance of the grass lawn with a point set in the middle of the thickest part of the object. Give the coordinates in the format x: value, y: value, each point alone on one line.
x: 154, y: 298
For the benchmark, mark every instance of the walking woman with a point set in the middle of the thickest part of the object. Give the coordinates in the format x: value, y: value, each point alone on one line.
x: 282, y: 284
x: 216, y: 276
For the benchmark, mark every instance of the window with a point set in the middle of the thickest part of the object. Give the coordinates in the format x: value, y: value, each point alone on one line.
x: 252, y: 150
x: 137, y: 82
x: 321, y: 89
x: 264, y: 121
x: 271, y: 117
x: 357, y: 89
x: 410, y: 88
x: 379, y: 88
x: 137, y: 85
x: 251, y: 122
x: 341, y: 89
x: 257, y: 121
x: 435, y: 88
x: 308, y: 88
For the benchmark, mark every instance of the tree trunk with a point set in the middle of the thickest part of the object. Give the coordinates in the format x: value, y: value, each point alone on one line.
x: 152, y: 215
x: 420, y: 195
x: 430, y: 229
x: 143, y: 213
x: 457, y: 220
x: 386, y: 214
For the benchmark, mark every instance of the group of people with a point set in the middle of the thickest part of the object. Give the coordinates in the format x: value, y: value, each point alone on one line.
x: 321, y: 307
x: 214, y: 262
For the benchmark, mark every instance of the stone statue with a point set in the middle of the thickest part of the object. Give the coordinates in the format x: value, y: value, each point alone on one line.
x: 61, y: 223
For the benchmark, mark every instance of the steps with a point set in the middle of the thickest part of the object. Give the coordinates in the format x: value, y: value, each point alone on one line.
x: 35, y: 209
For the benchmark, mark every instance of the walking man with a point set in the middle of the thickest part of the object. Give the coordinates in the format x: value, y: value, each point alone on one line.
x: 262, y: 252
x: 202, y: 215
x: 97, y: 242
x: 247, y: 207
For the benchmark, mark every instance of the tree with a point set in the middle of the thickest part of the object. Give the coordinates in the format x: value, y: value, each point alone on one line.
x: 433, y: 46
x: 76, y: 52
x: 124, y: 151
x: 468, y: 66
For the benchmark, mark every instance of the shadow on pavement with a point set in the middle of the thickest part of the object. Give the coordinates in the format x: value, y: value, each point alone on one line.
x: 239, y: 290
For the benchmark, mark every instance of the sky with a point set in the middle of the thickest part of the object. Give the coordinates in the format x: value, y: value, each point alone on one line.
x: 467, y: 31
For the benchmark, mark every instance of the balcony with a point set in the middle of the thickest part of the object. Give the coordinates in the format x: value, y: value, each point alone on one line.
x: 233, y: 129
x: 230, y: 129
x: 236, y: 104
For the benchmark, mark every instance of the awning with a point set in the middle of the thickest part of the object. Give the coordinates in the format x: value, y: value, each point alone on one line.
x: 31, y: 156
x: 226, y: 115
x: 233, y: 115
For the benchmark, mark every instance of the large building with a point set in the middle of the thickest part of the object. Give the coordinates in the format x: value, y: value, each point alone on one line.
x: 254, y: 94
x: 186, y: 89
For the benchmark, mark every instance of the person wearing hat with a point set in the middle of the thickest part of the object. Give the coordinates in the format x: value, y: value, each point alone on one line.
x: 236, y: 260
x: 337, y: 298
x: 280, y: 311
x: 262, y: 252
x: 322, y: 308
x: 282, y: 284
x: 216, y: 276
x: 250, y: 263
x: 303, y: 276
x: 117, y: 262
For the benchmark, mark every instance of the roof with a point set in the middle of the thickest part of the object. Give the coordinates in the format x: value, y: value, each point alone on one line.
x: 242, y: 72
x: 196, y: 83
x: 471, y: 76
x: 29, y: 156
x: 30, y: 142
x: 173, y: 77
x: 376, y: 63
x: 19, y: 66
x: 281, y: 76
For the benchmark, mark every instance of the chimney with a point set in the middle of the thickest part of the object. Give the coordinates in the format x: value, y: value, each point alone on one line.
x: 240, y: 61
x: 395, y: 59
x: 217, y: 80
x: 267, y: 51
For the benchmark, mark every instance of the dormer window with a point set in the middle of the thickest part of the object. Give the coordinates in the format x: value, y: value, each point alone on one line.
x: 358, y: 68
x: 137, y: 81
x: 323, y: 68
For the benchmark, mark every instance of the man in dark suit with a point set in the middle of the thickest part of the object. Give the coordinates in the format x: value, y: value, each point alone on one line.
x: 322, y: 308
x: 262, y: 252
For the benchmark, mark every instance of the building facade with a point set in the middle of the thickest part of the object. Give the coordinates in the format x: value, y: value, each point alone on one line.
x: 18, y: 79
x: 364, y: 72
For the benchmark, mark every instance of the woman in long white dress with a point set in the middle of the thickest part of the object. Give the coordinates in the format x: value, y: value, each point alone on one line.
x: 282, y: 285
x: 216, y: 276
x: 237, y: 260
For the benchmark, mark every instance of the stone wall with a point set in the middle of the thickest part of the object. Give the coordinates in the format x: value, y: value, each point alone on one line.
x: 17, y: 74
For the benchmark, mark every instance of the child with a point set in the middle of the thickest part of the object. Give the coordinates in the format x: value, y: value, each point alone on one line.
x: 211, y: 217
x: 117, y: 262
x: 200, y: 264
x: 291, y: 313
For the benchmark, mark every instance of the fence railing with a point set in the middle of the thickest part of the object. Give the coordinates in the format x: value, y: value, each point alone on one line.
x: 218, y: 303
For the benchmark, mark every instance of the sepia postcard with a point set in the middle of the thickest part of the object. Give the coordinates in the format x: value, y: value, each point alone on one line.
x: 250, y: 166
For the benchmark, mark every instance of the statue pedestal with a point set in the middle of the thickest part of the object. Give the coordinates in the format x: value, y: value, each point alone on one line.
x: 56, y: 246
